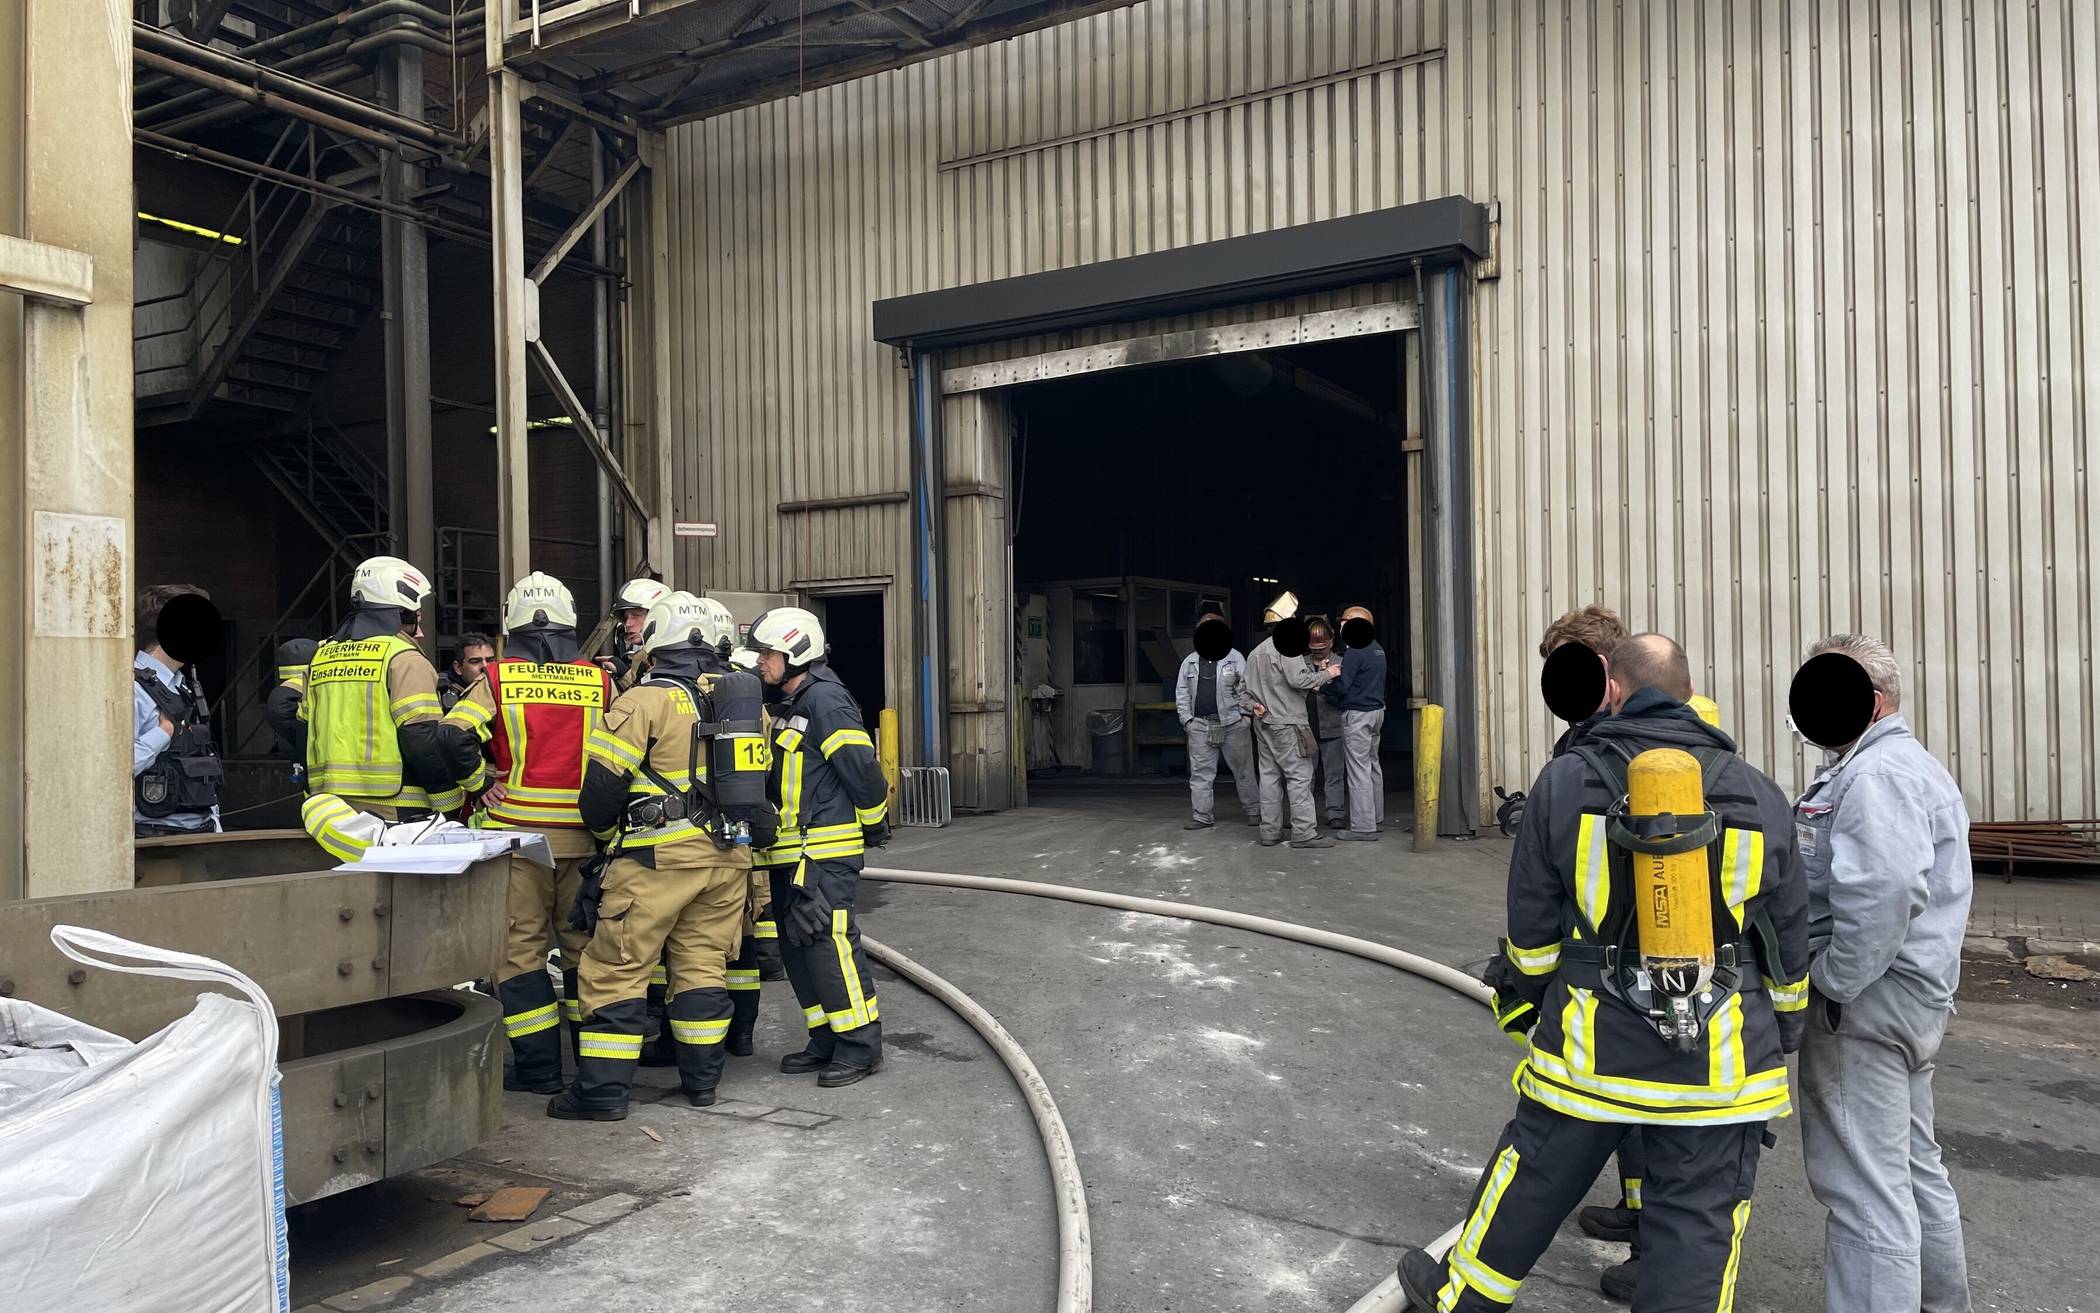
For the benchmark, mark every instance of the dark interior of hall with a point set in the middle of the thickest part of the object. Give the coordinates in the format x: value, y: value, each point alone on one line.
x: 1243, y: 475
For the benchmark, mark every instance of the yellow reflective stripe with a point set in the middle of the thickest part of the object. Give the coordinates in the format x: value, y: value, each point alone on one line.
x: 842, y: 738
x: 321, y: 815
x: 641, y: 786
x: 1467, y: 1269
x: 1592, y: 870
x: 478, y: 780
x: 535, y: 793
x: 608, y: 1044
x: 766, y: 930
x: 859, y: 1011
x: 1787, y: 998
x: 572, y: 1010
x: 1536, y: 961
x: 1742, y: 869
x: 659, y: 975
x: 469, y: 715
x: 790, y: 790
x: 520, y: 1024
x: 416, y: 704
x: 1536, y: 1084
x: 813, y: 1016
x: 1735, y: 1258
x: 829, y: 851
x: 1724, y: 1045
x: 1578, y: 1028
x: 788, y: 740
x: 1630, y: 1192
x: 739, y: 978
x: 699, y: 1032
x: 1659, y: 1094
x: 672, y: 833
x: 875, y: 815
x: 612, y: 750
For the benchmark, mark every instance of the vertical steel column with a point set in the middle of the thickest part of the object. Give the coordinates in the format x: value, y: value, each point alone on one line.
x: 405, y: 265
x: 1453, y: 629
x: 662, y: 447
x: 601, y: 383
x: 516, y: 319
x: 929, y: 508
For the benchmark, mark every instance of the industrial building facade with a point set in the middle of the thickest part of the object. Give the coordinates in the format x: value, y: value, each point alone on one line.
x: 1781, y: 326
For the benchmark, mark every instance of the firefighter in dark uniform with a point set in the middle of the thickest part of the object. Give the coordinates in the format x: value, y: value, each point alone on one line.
x: 534, y: 710
x: 674, y: 780
x: 371, y: 710
x: 1615, y: 1040
x: 281, y: 708
x: 834, y: 805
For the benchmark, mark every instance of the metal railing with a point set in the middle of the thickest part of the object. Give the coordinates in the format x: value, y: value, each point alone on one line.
x: 223, y: 290
x: 324, y: 597
x: 470, y: 575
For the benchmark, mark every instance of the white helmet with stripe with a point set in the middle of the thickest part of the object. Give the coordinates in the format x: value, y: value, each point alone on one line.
x: 390, y: 581
x: 538, y: 599
x: 791, y: 631
x: 640, y: 595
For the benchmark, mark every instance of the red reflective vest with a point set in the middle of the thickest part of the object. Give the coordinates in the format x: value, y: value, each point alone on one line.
x: 543, y: 714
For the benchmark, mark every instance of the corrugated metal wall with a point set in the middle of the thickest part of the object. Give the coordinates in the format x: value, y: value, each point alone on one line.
x: 1823, y: 274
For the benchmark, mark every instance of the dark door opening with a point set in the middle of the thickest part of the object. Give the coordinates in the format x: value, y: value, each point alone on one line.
x: 853, y: 625
x: 1138, y: 491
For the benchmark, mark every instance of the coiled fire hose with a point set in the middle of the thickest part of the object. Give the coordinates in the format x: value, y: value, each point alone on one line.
x: 1075, y: 1253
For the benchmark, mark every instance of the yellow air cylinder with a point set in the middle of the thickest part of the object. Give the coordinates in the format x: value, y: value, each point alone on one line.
x: 1709, y: 710
x: 1673, y: 898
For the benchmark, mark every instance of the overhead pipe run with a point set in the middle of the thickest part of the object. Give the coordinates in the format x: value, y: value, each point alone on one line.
x: 1386, y: 1296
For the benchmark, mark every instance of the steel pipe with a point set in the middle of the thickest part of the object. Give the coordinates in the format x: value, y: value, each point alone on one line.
x: 273, y: 101
x: 187, y: 59
x: 404, y: 34
x: 159, y: 112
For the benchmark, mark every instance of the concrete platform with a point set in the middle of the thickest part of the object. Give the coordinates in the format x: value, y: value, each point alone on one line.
x: 1261, y: 1124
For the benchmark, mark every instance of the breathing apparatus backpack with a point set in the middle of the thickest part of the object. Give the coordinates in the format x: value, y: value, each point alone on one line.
x: 729, y: 802
x: 1656, y: 950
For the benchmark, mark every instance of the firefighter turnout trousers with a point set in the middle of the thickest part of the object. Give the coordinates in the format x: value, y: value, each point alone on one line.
x: 538, y: 912
x: 1695, y: 1204
x: 691, y: 915
x: 830, y: 976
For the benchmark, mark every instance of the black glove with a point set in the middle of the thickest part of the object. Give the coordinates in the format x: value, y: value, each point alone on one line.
x: 807, y: 919
x: 765, y: 827
x: 876, y: 835
x: 583, y: 914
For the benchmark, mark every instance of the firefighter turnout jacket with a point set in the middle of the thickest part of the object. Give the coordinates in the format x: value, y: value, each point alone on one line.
x: 535, y: 719
x: 824, y: 774
x: 1591, y: 1054
x: 644, y: 744
x: 372, y: 713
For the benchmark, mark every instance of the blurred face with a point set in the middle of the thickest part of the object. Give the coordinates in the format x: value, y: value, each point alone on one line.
x: 473, y: 661
x: 772, y: 667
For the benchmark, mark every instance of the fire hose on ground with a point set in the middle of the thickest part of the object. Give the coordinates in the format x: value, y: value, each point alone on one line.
x: 1075, y: 1252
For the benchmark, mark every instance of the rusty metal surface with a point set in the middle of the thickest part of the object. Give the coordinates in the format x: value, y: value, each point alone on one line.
x: 355, y: 1114
x: 193, y: 858
x: 312, y: 941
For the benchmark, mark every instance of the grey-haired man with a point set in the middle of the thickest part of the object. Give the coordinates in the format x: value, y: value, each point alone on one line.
x: 1883, y: 836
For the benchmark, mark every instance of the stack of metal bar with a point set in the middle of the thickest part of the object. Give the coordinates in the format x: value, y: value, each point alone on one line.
x: 2037, y: 847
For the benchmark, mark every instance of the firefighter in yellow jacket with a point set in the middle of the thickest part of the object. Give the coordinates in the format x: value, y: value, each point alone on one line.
x: 1657, y: 959
x: 532, y: 712
x: 371, y: 710
x: 674, y: 781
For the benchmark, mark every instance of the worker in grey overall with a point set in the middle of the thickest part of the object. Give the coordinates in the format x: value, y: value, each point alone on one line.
x: 1206, y: 698
x: 1278, y: 678
x: 1883, y: 835
x: 1331, y: 763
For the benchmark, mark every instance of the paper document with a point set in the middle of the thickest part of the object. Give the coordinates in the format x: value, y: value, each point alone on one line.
x: 452, y: 858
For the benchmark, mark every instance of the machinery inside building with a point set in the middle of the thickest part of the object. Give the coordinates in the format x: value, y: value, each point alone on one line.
x: 1140, y: 492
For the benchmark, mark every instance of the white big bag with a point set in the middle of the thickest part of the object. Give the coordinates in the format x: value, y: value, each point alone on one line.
x: 146, y: 1176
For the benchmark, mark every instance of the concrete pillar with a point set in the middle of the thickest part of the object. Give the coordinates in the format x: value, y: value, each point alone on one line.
x: 517, y: 317
x: 66, y: 454
x: 405, y: 261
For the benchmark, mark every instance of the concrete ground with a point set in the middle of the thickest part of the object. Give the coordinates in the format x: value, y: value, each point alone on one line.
x: 1261, y: 1125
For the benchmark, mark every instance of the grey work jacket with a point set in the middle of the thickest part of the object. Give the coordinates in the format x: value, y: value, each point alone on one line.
x: 1232, y: 668
x: 1279, y: 683
x: 1884, y: 839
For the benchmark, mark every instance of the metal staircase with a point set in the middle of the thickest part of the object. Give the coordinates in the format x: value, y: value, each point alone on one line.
x: 335, y: 487
x: 263, y: 323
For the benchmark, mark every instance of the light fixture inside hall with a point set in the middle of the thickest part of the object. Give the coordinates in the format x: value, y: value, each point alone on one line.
x: 551, y: 422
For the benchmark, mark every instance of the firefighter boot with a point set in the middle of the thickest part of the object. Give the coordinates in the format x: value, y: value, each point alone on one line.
x: 699, y: 1022
x: 743, y: 1003
x: 1421, y: 1277
x: 817, y: 1055
x: 611, y: 1045
x: 532, y: 1023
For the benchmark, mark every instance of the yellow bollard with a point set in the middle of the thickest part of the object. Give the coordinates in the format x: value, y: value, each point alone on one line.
x: 886, y: 749
x: 1429, y: 773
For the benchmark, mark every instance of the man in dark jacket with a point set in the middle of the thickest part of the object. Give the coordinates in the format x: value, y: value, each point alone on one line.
x: 1596, y: 1061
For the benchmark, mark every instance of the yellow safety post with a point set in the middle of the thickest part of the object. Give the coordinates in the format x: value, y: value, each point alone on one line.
x: 886, y: 749
x: 1708, y: 709
x: 1429, y: 772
